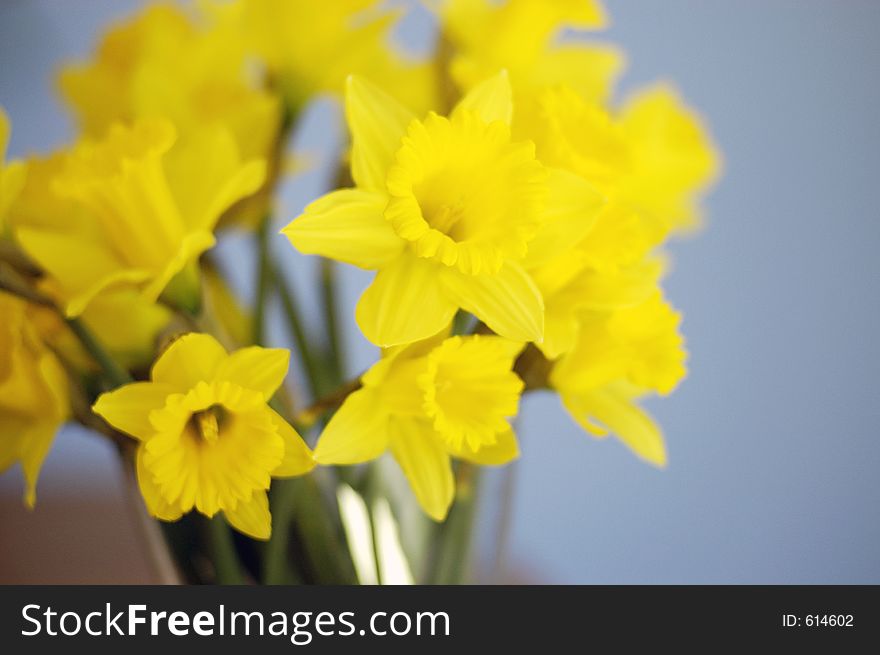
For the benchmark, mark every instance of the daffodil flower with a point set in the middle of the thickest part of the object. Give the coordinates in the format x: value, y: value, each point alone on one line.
x: 429, y: 402
x: 446, y: 209
x: 33, y: 392
x: 617, y: 358
x: 651, y: 163
x: 207, y: 438
x: 145, y: 210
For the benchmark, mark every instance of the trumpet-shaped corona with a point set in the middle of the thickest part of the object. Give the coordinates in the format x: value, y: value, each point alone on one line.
x: 207, y: 438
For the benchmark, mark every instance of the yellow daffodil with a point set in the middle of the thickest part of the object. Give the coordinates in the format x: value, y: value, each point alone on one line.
x: 652, y: 161
x: 162, y: 64
x: 33, y: 392
x: 12, y: 174
x: 618, y: 357
x: 311, y: 47
x: 207, y: 438
x: 523, y: 37
x: 427, y: 402
x: 145, y: 210
x: 446, y: 209
x: 127, y: 324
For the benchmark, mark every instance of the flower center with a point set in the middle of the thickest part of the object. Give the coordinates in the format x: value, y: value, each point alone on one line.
x: 206, y: 423
x: 463, y: 194
x: 445, y: 218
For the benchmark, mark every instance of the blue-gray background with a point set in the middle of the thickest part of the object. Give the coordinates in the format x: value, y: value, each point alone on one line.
x: 773, y: 438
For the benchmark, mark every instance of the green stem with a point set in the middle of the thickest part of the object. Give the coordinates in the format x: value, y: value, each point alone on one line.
x: 452, y: 558
x: 275, y: 565
x: 115, y: 374
x: 328, y: 296
x: 264, y: 281
x: 226, y: 565
x: 370, y: 494
x: 301, y: 498
x: 291, y: 311
x: 505, y: 518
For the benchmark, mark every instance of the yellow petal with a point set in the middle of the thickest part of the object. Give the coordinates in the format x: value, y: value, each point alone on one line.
x: 358, y: 431
x: 569, y: 214
x: 35, y: 443
x: 624, y: 287
x: 297, y: 456
x: 128, y: 408
x: 347, y: 225
x: 674, y: 157
x: 12, y: 181
x: 156, y: 505
x: 256, y: 368
x: 377, y: 123
x: 128, y: 325
x: 589, y: 69
x: 252, y: 517
x: 207, y: 176
x: 425, y: 463
x: 504, y: 450
x: 618, y: 412
x: 192, y: 358
x: 405, y: 303
x: 491, y: 99
x: 81, y: 265
x: 509, y: 302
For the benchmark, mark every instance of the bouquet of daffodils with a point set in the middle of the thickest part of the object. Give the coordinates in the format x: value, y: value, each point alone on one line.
x: 513, y: 217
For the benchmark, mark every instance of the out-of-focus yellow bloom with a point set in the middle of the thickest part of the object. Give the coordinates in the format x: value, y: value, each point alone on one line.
x: 161, y: 64
x: 570, y: 285
x: 311, y: 47
x: 427, y: 402
x: 208, y: 439
x: 146, y: 208
x: 651, y: 163
x: 126, y: 323
x: 618, y: 357
x: 33, y: 392
x: 12, y: 174
x: 446, y: 209
x: 522, y: 36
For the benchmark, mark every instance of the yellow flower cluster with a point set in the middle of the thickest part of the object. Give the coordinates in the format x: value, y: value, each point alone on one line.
x: 494, y: 187
x: 534, y: 206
